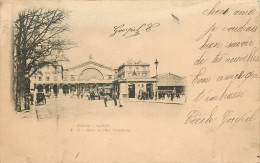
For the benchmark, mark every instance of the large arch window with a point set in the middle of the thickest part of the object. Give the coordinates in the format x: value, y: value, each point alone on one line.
x: 90, y: 74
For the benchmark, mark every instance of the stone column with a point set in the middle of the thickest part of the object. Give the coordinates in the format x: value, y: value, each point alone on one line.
x: 44, y: 90
x: 60, y: 91
x: 52, y: 89
x: 36, y: 90
x: 154, y: 89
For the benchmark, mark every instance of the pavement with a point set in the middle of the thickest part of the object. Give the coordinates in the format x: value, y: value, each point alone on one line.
x: 69, y: 129
x: 72, y: 106
x: 179, y: 101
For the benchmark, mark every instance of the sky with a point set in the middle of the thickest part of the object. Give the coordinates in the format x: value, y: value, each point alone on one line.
x: 92, y: 22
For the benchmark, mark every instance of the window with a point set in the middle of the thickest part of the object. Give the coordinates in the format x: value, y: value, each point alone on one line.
x: 47, y: 78
x: 109, y: 77
x: 40, y: 78
x: 55, y: 78
x: 144, y: 74
x: 65, y: 78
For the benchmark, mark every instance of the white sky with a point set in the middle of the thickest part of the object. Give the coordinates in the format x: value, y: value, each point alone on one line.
x: 92, y: 22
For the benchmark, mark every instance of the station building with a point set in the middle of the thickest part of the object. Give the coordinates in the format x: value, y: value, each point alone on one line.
x: 129, y: 79
x: 167, y: 82
x: 134, y: 77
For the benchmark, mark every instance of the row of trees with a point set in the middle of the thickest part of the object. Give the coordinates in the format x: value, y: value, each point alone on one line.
x: 39, y: 40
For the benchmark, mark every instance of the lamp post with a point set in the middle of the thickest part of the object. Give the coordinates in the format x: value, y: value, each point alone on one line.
x: 156, y: 65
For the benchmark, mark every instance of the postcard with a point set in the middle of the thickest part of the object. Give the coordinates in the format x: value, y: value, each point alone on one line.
x: 129, y: 81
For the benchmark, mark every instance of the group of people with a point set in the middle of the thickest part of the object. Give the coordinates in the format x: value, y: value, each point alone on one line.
x: 143, y: 95
x: 90, y: 95
x: 114, y: 97
x: 170, y: 95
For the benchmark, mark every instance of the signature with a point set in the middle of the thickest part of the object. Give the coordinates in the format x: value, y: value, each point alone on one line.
x: 196, y: 117
x: 133, y: 31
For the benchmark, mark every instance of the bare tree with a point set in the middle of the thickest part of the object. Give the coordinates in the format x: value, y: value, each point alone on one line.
x: 39, y: 40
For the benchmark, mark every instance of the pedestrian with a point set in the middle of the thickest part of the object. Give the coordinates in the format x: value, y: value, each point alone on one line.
x: 31, y: 97
x: 91, y: 95
x: 120, y: 101
x: 173, y: 93
x: 34, y: 97
x: 105, y: 100
x: 114, y: 97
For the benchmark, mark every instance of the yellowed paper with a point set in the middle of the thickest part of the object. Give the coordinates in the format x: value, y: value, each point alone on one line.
x: 184, y: 74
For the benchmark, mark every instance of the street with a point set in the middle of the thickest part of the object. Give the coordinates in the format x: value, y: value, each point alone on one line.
x: 71, y: 108
x: 79, y: 130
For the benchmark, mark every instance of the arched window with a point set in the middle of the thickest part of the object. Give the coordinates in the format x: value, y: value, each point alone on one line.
x: 91, y: 73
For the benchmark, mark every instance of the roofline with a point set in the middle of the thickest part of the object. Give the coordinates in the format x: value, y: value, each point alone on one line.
x: 129, y: 64
x: 168, y: 74
x: 85, y: 63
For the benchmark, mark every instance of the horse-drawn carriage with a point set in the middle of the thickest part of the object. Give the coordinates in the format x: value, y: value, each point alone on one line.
x: 40, y: 98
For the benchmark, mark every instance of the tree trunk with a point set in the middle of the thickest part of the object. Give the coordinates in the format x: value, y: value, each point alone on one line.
x: 20, y: 92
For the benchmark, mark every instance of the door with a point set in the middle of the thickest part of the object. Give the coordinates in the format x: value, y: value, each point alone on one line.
x: 149, y: 89
x: 55, y: 89
x: 131, y: 91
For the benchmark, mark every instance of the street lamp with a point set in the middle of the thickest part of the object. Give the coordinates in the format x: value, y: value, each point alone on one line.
x: 156, y: 65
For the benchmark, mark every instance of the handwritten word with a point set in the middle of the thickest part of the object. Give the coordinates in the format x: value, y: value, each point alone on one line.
x: 247, y: 58
x: 230, y: 118
x: 198, y: 79
x: 243, y: 28
x: 218, y: 58
x: 215, y: 10
x: 197, y: 117
x: 201, y: 60
x: 241, y: 75
x: 213, y: 28
x: 237, y: 44
x: 133, y: 31
x: 226, y: 95
x: 245, y: 12
x: 209, y: 45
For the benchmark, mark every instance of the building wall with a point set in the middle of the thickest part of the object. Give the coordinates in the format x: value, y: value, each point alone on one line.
x: 47, y: 74
x: 108, y: 74
x: 137, y: 71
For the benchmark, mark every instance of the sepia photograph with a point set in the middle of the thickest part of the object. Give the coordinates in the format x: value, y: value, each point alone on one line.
x: 129, y: 81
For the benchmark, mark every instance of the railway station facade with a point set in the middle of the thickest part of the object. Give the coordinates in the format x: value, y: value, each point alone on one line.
x: 129, y: 79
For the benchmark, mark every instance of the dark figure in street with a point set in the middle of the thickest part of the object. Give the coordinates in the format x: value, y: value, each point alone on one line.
x: 105, y: 100
x: 173, y: 94
x: 114, y: 97
x: 120, y: 100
